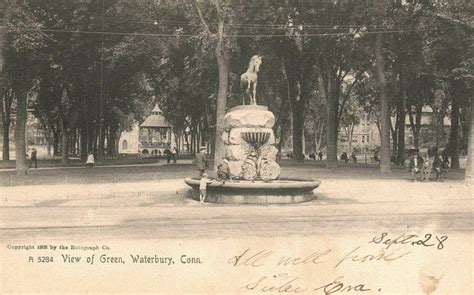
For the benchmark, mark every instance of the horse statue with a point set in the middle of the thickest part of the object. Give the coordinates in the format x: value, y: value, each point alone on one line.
x: 248, y: 80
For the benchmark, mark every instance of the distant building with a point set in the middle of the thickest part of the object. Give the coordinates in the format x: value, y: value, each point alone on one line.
x: 366, y: 134
x: 155, y: 134
x: 152, y: 137
x: 128, y: 142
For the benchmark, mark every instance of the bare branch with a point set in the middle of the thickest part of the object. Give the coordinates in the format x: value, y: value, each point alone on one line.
x: 201, y: 17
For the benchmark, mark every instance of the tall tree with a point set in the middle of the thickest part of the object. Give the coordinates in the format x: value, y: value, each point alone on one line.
x: 384, y: 106
x: 223, y: 11
x: 24, y: 40
x: 6, y: 94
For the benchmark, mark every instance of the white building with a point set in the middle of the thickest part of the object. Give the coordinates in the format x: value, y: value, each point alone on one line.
x: 153, y: 137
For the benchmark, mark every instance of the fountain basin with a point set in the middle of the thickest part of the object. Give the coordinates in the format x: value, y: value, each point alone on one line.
x: 282, y: 191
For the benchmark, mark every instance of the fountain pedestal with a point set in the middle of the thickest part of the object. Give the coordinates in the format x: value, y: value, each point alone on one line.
x: 250, y: 143
x: 251, y: 152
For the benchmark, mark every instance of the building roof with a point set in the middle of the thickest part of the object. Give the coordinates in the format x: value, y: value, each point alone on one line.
x: 156, y: 119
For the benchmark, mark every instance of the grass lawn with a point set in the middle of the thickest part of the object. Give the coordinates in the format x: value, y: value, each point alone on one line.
x: 120, y: 174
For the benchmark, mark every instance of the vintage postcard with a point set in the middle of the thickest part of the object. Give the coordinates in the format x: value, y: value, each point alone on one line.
x: 236, y: 147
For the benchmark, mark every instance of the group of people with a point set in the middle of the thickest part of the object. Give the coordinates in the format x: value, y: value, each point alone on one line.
x: 346, y: 159
x: 171, y: 155
x: 423, y: 167
x: 315, y: 157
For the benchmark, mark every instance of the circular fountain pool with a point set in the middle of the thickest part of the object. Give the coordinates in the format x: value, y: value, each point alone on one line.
x: 281, y: 191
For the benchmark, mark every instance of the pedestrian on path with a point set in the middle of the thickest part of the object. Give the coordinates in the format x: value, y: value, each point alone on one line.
x: 167, y: 152
x: 174, y: 154
x: 203, y: 187
x: 438, y: 168
x: 33, y: 158
x: 427, y: 167
x: 201, y: 161
x: 416, y: 163
x: 90, y: 160
x: 353, y: 158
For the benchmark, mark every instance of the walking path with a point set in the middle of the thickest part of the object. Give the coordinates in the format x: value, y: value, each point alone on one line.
x: 160, y: 163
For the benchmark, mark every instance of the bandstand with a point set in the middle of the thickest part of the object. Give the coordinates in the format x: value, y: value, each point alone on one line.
x: 155, y: 134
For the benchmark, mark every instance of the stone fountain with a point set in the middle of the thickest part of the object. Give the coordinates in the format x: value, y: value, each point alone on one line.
x: 250, y: 149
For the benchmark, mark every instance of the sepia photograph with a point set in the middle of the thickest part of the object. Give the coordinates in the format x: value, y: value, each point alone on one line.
x: 237, y: 147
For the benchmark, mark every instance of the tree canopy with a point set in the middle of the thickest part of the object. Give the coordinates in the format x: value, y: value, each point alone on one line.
x: 91, y: 69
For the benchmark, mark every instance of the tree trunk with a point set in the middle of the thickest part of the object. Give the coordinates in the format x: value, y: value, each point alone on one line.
x: 319, y: 136
x: 64, y: 142
x: 102, y: 136
x: 112, y: 140
x: 223, y: 67
x: 56, y: 142
x: 469, y: 177
x: 297, y: 110
x: 464, y: 127
x: 401, y: 154
x: 20, y: 130
x: 417, y: 129
x: 6, y: 136
x: 454, y: 136
x: 73, y: 140
x: 83, y: 140
x: 284, y: 112
x: 394, y: 132
x: 332, y: 105
x: 402, y: 106
x: 95, y: 140
x: 193, y: 141
x: 48, y: 140
x: 349, y: 139
x: 283, y: 126
x: 385, y: 107
x: 6, y: 98
x: 6, y: 102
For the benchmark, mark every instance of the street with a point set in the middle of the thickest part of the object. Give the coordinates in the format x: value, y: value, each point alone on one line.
x: 163, y: 208
x: 95, y: 230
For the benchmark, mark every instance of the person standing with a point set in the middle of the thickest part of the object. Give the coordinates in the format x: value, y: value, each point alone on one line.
x: 320, y: 155
x: 438, y: 167
x: 167, y: 152
x: 427, y: 167
x: 416, y: 163
x: 203, y: 187
x: 353, y: 158
x: 33, y: 158
x: 90, y: 160
x: 201, y: 161
x: 174, y: 154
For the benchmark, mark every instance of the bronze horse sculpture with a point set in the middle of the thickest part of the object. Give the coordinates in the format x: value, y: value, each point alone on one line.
x: 248, y: 80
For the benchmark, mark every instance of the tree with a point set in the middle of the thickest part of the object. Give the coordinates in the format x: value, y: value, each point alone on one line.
x: 222, y: 56
x: 6, y: 94
x: 104, y: 74
x: 316, y: 121
x: 343, y: 57
x: 24, y: 39
x: 350, y: 118
x: 385, y: 108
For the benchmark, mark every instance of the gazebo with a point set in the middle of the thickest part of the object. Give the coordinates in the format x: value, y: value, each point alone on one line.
x: 155, y: 134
